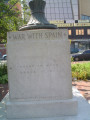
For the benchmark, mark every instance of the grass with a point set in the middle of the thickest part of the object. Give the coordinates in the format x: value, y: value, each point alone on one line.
x: 81, y: 71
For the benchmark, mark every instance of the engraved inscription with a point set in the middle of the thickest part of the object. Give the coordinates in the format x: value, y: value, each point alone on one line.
x: 28, y: 69
x: 19, y: 36
x: 31, y: 35
x: 53, y: 35
x: 35, y: 36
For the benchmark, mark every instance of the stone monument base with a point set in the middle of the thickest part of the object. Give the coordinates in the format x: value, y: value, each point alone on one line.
x: 83, y: 109
x: 39, y: 74
x: 36, y: 109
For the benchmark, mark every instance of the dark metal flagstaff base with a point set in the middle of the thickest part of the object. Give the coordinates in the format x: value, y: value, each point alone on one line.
x: 30, y: 27
x: 37, y: 18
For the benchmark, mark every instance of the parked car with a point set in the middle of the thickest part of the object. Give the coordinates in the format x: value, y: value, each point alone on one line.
x: 4, y: 57
x: 85, y: 55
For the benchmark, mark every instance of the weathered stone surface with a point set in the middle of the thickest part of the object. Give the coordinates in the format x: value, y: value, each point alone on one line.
x: 41, y: 109
x: 39, y: 65
x: 39, y: 70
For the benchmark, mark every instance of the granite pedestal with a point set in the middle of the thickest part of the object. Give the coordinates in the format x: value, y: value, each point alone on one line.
x: 39, y: 74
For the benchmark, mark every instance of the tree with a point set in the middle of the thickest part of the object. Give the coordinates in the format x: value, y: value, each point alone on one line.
x: 10, y: 17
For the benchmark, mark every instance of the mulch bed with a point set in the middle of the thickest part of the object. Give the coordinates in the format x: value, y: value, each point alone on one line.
x: 82, y: 86
x: 3, y: 90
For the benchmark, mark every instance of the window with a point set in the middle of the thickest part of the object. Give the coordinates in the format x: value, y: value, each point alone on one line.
x: 84, y: 17
x: 76, y: 32
x: 79, y: 31
x: 69, y: 32
x: 88, y: 31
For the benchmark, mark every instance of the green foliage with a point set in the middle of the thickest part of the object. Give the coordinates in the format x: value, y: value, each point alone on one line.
x: 10, y: 17
x: 72, y: 59
x: 3, y: 74
x: 81, y: 71
x: 4, y: 79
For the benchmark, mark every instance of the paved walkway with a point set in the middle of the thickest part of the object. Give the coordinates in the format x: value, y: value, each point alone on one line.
x: 84, y: 88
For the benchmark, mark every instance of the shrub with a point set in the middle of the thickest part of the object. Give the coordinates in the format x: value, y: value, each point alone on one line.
x: 4, y: 79
x: 72, y: 59
x: 81, y: 71
x: 3, y: 74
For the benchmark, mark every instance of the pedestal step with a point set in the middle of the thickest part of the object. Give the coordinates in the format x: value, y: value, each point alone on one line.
x: 41, y: 109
